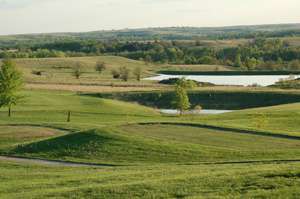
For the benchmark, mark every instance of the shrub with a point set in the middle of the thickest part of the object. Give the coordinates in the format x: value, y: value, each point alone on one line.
x: 39, y: 73
x: 115, y: 73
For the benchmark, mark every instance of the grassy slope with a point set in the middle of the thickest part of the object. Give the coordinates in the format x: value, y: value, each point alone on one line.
x: 282, y: 119
x: 212, y: 181
x: 147, y: 145
x: 138, y: 144
x: 11, y: 136
x: 59, y: 70
x: 43, y: 107
x: 161, y: 144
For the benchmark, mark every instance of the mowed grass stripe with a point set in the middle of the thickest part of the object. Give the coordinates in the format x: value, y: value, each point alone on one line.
x: 247, y: 181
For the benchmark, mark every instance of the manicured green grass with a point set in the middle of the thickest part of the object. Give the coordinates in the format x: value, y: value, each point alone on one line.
x: 154, y: 160
x: 282, y: 119
x: 44, y: 107
x: 11, y: 136
x: 140, y: 144
x: 172, y: 181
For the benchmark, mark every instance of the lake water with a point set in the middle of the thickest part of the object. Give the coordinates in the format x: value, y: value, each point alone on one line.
x: 239, y: 80
x: 204, y: 111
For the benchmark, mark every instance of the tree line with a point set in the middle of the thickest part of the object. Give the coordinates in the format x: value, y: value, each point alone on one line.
x: 257, y: 54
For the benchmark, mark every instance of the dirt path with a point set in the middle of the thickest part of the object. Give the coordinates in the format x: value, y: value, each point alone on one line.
x: 51, y: 162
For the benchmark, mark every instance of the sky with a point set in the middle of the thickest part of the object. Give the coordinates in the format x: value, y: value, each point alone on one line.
x: 41, y: 16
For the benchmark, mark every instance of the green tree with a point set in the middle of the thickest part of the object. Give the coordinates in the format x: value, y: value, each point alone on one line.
x: 181, y: 101
x: 124, y: 73
x: 138, y: 73
x: 251, y: 63
x: 100, y: 66
x: 78, y: 70
x: 10, y: 84
x: 238, y: 60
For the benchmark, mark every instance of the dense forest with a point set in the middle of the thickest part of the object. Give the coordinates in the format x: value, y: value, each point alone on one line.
x: 263, y: 47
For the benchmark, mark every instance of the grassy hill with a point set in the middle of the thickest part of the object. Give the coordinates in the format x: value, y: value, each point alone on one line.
x: 166, y: 33
x: 151, y: 159
x: 159, y: 144
x: 179, y: 181
x: 60, y: 70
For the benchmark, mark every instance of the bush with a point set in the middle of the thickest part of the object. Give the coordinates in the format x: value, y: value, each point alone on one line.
x: 39, y: 73
x: 115, y: 74
x: 173, y: 81
x: 100, y: 66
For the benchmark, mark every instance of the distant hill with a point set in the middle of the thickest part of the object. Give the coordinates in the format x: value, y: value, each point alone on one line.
x: 164, y: 33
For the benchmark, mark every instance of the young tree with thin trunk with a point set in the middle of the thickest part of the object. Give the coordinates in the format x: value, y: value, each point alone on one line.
x: 100, y: 66
x: 10, y: 84
x: 138, y: 73
x: 124, y: 73
x: 77, y: 70
x: 181, y: 100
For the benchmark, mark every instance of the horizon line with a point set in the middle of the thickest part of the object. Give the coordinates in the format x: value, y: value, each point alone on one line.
x: 140, y: 28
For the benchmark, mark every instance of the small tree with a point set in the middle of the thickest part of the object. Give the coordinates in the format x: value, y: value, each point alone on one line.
x: 182, y: 101
x: 238, y: 61
x: 100, y: 66
x: 10, y: 83
x: 77, y: 70
x: 124, y: 73
x: 137, y: 73
x: 148, y: 59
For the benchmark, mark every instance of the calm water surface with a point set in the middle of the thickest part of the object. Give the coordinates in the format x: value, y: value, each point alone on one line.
x: 240, y: 80
x: 204, y: 111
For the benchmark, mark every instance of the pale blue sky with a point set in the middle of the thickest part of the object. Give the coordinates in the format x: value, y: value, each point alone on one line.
x: 35, y: 16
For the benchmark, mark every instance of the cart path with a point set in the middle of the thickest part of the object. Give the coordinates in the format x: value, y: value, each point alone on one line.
x: 52, y: 162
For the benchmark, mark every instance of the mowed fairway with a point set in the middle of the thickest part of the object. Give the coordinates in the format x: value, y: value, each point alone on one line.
x: 142, y: 154
x: 179, y: 181
x: 282, y: 119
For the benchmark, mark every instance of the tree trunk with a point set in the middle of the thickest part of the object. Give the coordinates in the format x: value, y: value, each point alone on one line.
x: 69, y: 116
x: 9, y: 111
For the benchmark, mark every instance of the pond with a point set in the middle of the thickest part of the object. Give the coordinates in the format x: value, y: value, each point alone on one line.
x: 239, y: 80
x: 194, y: 112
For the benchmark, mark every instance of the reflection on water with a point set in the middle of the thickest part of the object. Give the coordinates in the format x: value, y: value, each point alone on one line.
x: 241, y: 80
x: 204, y: 111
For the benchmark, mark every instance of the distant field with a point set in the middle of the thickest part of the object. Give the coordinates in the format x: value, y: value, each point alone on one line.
x: 201, y: 68
x: 94, y: 88
x: 60, y: 70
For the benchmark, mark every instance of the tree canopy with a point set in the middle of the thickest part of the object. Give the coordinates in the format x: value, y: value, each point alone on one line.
x: 10, y: 84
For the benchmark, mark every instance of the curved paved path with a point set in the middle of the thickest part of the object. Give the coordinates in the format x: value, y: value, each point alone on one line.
x: 51, y: 162
x: 75, y: 164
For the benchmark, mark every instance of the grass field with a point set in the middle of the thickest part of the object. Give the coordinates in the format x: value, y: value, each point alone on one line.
x: 283, y: 119
x: 151, y: 159
x: 173, y: 181
x: 60, y: 70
